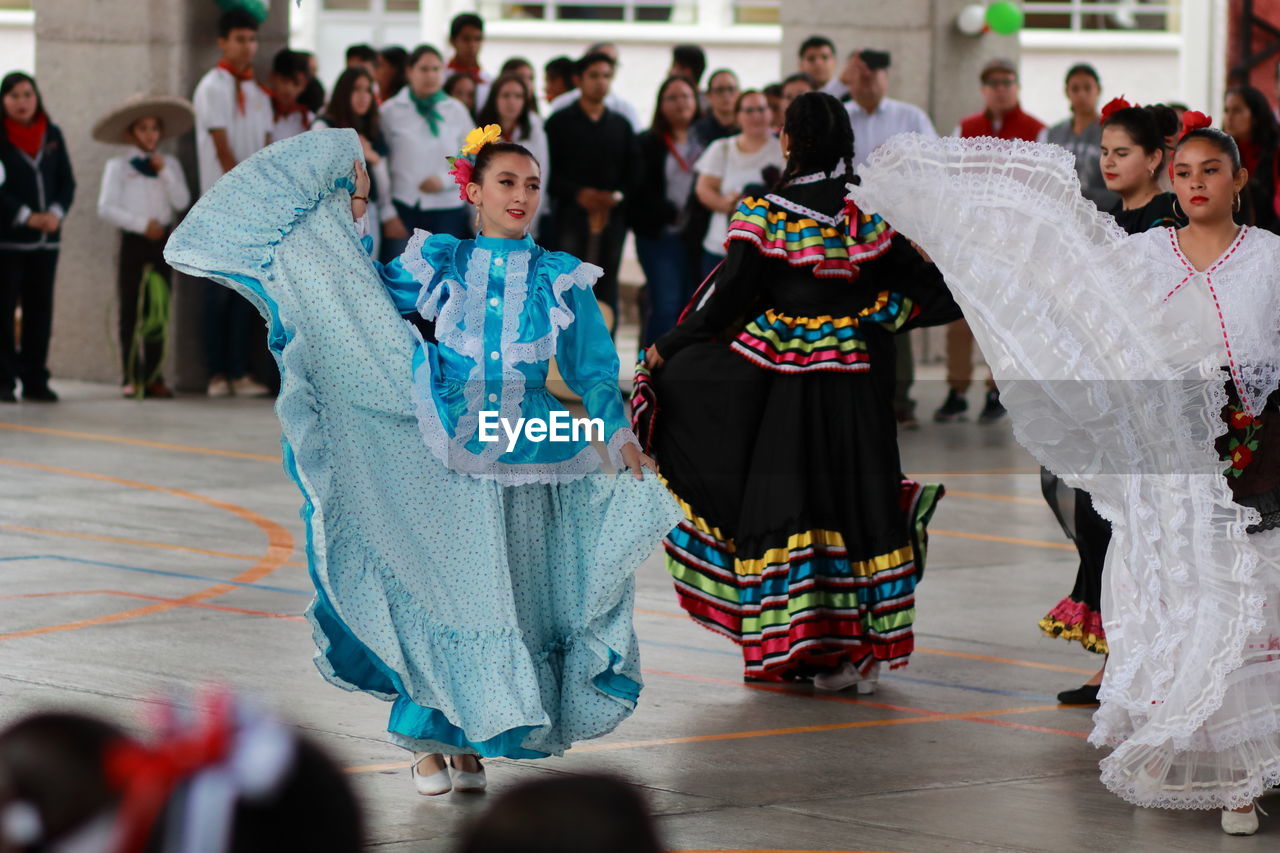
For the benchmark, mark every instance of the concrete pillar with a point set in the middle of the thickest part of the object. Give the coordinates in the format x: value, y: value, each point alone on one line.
x: 90, y: 57
x: 935, y: 66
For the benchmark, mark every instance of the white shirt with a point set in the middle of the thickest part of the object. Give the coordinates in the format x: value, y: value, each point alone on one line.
x: 870, y: 130
x: 835, y: 88
x: 735, y: 170
x: 130, y: 199
x: 417, y: 155
x: 614, y: 102
x: 291, y: 125
x: 536, y: 142
x: 215, y: 105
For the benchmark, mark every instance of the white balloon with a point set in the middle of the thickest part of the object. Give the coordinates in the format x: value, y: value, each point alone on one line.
x: 972, y: 20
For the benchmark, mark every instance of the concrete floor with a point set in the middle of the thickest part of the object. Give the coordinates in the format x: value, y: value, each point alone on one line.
x: 121, y: 523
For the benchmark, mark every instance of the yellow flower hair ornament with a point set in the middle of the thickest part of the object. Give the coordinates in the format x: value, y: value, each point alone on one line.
x: 464, y: 164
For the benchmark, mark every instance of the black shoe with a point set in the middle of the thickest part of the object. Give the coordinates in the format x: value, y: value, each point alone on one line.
x: 907, y: 421
x: 1084, y: 695
x: 7, y: 396
x: 992, y: 410
x: 43, y: 394
x: 953, y: 409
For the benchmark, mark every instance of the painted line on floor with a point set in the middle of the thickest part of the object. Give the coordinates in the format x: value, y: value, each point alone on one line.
x: 140, y: 543
x: 1007, y: 540
x: 140, y: 442
x: 1013, y: 694
x: 924, y: 650
x: 122, y: 594
x: 987, y: 496
x: 279, y: 548
x: 931, y: 717
x: 162, y: 572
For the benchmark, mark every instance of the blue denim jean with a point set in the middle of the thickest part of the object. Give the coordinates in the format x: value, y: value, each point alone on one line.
x: 668, y: 280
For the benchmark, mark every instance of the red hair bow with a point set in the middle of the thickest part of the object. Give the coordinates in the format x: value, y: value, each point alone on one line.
x: 147, y: 775
x: 1115, y: 105
x: 1192, y: 120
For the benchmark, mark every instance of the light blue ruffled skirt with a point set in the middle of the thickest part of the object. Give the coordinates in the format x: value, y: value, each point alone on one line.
x: 496, y: 619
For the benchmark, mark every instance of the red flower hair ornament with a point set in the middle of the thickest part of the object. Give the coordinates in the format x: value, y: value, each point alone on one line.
x: 1192, y: 120
x: 1115, y: 105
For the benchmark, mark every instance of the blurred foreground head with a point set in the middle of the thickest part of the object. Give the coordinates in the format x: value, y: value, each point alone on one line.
x: 223, y: 778
x: 576, y: 814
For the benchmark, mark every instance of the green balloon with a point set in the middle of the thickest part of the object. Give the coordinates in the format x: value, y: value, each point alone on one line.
x: 1004, y: 17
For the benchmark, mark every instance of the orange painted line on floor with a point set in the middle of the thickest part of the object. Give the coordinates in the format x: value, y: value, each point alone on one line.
x: 1008, y: 540
x: 122, y: 594
x: 829, y: 697
x: 139, y: 442
x: 931, y: 717
x: 975, y: 473
x: 922, y: 650
x: 768, y: 850
x: 1053, y: 667
x: 279, y: 548
x: 140, y: 543
x: 987, y: 496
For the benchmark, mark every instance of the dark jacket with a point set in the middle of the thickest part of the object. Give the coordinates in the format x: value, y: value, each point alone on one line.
x: 649, y: 210
x: 38, y: 186
x: 601, y: 155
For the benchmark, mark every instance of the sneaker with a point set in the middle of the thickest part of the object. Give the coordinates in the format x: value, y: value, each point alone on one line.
x: 41, y: 394
x: 1084, y: 695
x: 159, y: 390
x: 992, y: 410
x: 907, y: 420
x: 953, y: 409
x: 247, y: 386
x: 219, y: 387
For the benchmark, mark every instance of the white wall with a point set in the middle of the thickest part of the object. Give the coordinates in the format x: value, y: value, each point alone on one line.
x: 17, y: 41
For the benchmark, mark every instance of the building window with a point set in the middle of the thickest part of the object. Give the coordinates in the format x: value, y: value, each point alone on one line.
x: 643, y: 11
x: 755, y: 11
x: 9, y: 5
x: 1095, y: 15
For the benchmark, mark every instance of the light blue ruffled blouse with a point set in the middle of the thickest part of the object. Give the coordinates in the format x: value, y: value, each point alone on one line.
x: 502, y: 309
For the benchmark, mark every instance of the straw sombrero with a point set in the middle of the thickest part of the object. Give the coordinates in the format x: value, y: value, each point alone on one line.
x: 175, y: 114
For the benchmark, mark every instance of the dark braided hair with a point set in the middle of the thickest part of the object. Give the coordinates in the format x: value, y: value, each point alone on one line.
x: 821, y: 136
x: 493, y: 149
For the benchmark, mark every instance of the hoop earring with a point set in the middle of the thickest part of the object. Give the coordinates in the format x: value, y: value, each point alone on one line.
x: 1176, y: 210
x: 1236, y: 206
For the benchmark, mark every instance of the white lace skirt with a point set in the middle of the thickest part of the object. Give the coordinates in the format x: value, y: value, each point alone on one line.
x: 1119, y: 396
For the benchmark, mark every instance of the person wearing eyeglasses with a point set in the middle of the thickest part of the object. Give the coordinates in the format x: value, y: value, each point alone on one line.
x: 1002, y: 117
x: 752, y: 159
x: 720, y: 119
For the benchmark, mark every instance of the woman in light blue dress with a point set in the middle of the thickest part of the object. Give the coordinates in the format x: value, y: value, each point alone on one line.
x: 483, y: 587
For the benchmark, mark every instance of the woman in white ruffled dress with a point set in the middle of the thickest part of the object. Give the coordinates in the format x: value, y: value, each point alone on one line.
x: 1138, y: 368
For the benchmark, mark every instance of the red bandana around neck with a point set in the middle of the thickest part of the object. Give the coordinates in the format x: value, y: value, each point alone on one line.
x: 27, y: 137
x: 472, y: 71
x: 242, y: 77
x: 286, y: 110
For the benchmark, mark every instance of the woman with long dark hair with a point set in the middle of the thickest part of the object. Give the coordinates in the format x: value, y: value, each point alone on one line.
x: 1247, y: 118
x: 668, y: 150
x: 1142, y: 368
x: 1132, y: 161
x: 391, y: 71
x: 354, y: 105
x: 34, y: 199
x: 802, y: 541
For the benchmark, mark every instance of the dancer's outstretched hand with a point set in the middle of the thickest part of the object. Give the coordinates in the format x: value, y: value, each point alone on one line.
x: 361, y: 195
x: 635, y: 460
x: 652, y: 359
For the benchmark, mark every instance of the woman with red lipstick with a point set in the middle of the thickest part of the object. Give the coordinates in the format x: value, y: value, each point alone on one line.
x: 474, y: 566
x: 1142, y: 368
x: 1132, y: 161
